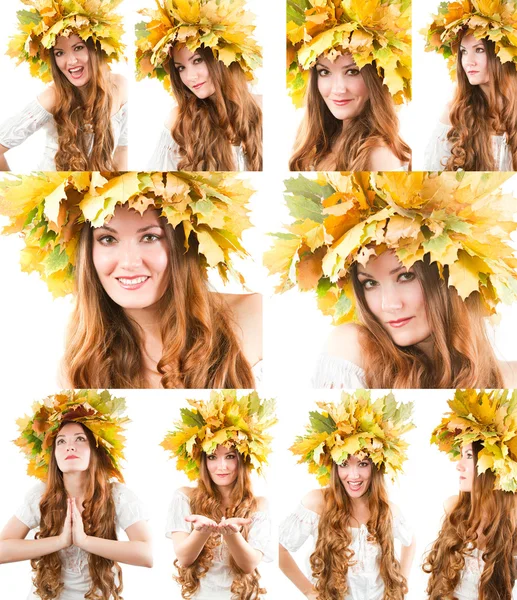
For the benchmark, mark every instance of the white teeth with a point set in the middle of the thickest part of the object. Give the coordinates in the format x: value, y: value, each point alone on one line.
x: 75, y: 69
x: 132, y: 281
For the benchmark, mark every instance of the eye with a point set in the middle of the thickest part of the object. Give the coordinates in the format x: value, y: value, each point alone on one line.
x: 364, y: 463
x: 480, y: 50
x: 353, y: 72
x: 323, y: 72
x: 407, y: 276
x: 60, y: 441
x: 463, y: 51
x: 197, y: 60
x: 106, y: 240
x: 151, y: 237
x: 80, y: 47
x: 180, y: 68
x: 211, y: 457
x: 368, y: 284
x: 81, y: 438
x: 57, y: 53
x: 230, y: 456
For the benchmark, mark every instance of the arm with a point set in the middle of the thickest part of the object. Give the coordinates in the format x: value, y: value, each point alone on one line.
x: 137, y: 551
x: 120, y: 158
x: 14, y: 547
x: 293, y: 572
x: 3, y: 161
x: 383, y: 159
x: 407, y: 555
x: 188, y: 546
x: 246, y: 557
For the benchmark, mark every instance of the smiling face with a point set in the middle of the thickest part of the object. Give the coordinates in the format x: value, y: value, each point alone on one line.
x: 223, y: 466
x: 131, y: 257
x: 474, y: 60
x: 341, y: 86
x: 72, y: 449
x: 193, y: 71
x: 466, y: 468
x: 355, y: 475
x: 395, y: 297
x: 73, y: 59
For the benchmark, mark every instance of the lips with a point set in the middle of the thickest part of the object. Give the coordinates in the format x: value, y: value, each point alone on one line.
x: 399, y: 322
x: 355, y: 486
x: 343, y: 102
x: 198, y: 85
x: 132, y: 283
x: 76, y: 72
x: 71, y: 457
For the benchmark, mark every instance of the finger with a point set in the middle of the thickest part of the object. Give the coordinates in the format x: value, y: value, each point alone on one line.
x: 190, y: 518
x: 241, y: 521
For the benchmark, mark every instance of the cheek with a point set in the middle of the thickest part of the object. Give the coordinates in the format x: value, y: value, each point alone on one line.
x: 360, y: 88
x: 373, y: 299
x: 104, y: 261
x: 324, y: 86
x: 158, y: 258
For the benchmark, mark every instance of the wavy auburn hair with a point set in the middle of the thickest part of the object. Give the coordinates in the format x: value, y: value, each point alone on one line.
x: 206, y: 129
x: 200, y: 347
x: 78, y: 118
x: 98, y: 519
x: 494, y: 514
x: 476, y: 115
x: 326, y: 143
x: 333, y: 556
x: 463, y: 356
x: 206, y: 500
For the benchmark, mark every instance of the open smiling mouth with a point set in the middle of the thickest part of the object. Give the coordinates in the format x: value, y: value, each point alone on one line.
x: 76, y: 72
x: 132, y: 283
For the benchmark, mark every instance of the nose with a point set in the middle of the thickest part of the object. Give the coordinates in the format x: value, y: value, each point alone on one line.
x: 391, y: 301
x: 460, y: 466
x: 131, y: 257
x: 71, y: 446
x: 339, y: 83
x: 192, y: 74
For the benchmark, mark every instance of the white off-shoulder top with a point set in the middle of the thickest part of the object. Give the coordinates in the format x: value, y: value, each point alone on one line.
x: 166, y: 154
x: 337, y: 373
x: 74, y: 561
x: 217, y: 582
x: 364, y: 579
x: 33, y: 117
x: 438, y: 150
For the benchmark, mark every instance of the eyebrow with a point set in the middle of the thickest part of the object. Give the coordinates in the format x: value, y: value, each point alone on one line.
x: 141, y: 230
x: 474, y: 45
x: 392, y: 272
x: 81, y: 43
x: 195, y: 55
x: 352, y: 64
x: 62, y: 435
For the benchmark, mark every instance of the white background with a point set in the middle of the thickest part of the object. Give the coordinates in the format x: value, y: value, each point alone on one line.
x: 33, y: 325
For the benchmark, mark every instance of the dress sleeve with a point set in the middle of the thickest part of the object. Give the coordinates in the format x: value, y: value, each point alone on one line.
x: 28, y: 512
x: 179, y: 508
x: 335, y: 372
x: 438, y: 149
x: 128, y: 507
x: 123, y: 137
x: 19, y: 127
x: 165, y: 156
x: 402, y: 530
x: 297, y: 527
x: 261, y: 535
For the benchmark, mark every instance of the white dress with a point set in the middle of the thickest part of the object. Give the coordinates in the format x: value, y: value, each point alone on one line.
x: 337, y: 373
x: 438, y: 150
x: 216, y: 584
x: 468, y: 588
x: 75, y: 573
x: 166, y: 155
x: 364, y: 579
x: 18, y: 128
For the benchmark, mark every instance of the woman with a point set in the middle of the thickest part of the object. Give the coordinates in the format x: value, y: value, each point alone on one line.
x: 474, y: 554
x: 407, y: 265
x: 350, y: 121
x: 351, y: 521
x: 478, y: 129
x: 145, y: 315
x: 74, y: 444
x: 220, y: 530
x: 84, y: 110
x: 205, y: 61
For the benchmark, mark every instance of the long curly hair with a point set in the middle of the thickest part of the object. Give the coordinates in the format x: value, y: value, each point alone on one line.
x: 206, y: 129
x: 463, y: 356
x: 206, y: 500
x: 98, y: 519
x: 201, y: 348
x: 493, y: 513
x: 333, y: 555
x: 85, y: 135
x: 326, y: 143
x: 476, y: 116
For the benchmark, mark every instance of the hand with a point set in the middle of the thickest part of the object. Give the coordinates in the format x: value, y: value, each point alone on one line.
x: 78, y: 535
x: 312, y: 595
x: 232, y: 526
x: 66, y: 533
x: 202, y: 524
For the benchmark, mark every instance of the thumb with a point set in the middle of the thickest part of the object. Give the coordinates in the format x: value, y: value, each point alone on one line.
x: 190, y: 518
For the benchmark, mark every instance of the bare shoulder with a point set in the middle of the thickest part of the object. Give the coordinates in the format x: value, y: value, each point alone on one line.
x: 172, y: 117
x: 120, y: 85
x: 47, y: 98
x: 449, y: 504
x: 344, y: 342
x: 383, y: 159
x: 262, y: 503
x: 244, y: 305
x: 188, y: 491
x: 395, y: 510
x: 444, y: 117
x: 509, y: 373
x: 315, y: 501
x: 62, y: 375
x: 246, y: 311
x: 258, y: 99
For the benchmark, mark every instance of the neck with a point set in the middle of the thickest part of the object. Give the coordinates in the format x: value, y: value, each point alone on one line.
x: 148, y: 319
x: 427, y: 347
x: 226, y: 492
x: 75, y: 484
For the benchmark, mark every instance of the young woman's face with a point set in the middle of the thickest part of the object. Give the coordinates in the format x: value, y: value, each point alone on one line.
x: 466, y: 468
x: 223, y: 466
x: 72, y: 449
x: 131, y: 256
x: 193, y: 72
x: 474, y: 60
x: 73, y: 59
x: 395, y: 297
x: 341, y: 86
x: 355, y: 475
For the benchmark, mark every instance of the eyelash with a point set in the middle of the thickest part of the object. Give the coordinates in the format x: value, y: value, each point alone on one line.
x: 409, y: 274
x: 213, y: 456
x: 478, y: 50
x: 326, y: 72
x: 58, y: 53
x: 80, y: 438
x: 109, y: 240
x: 198, y: 60
x: 363, y: 463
